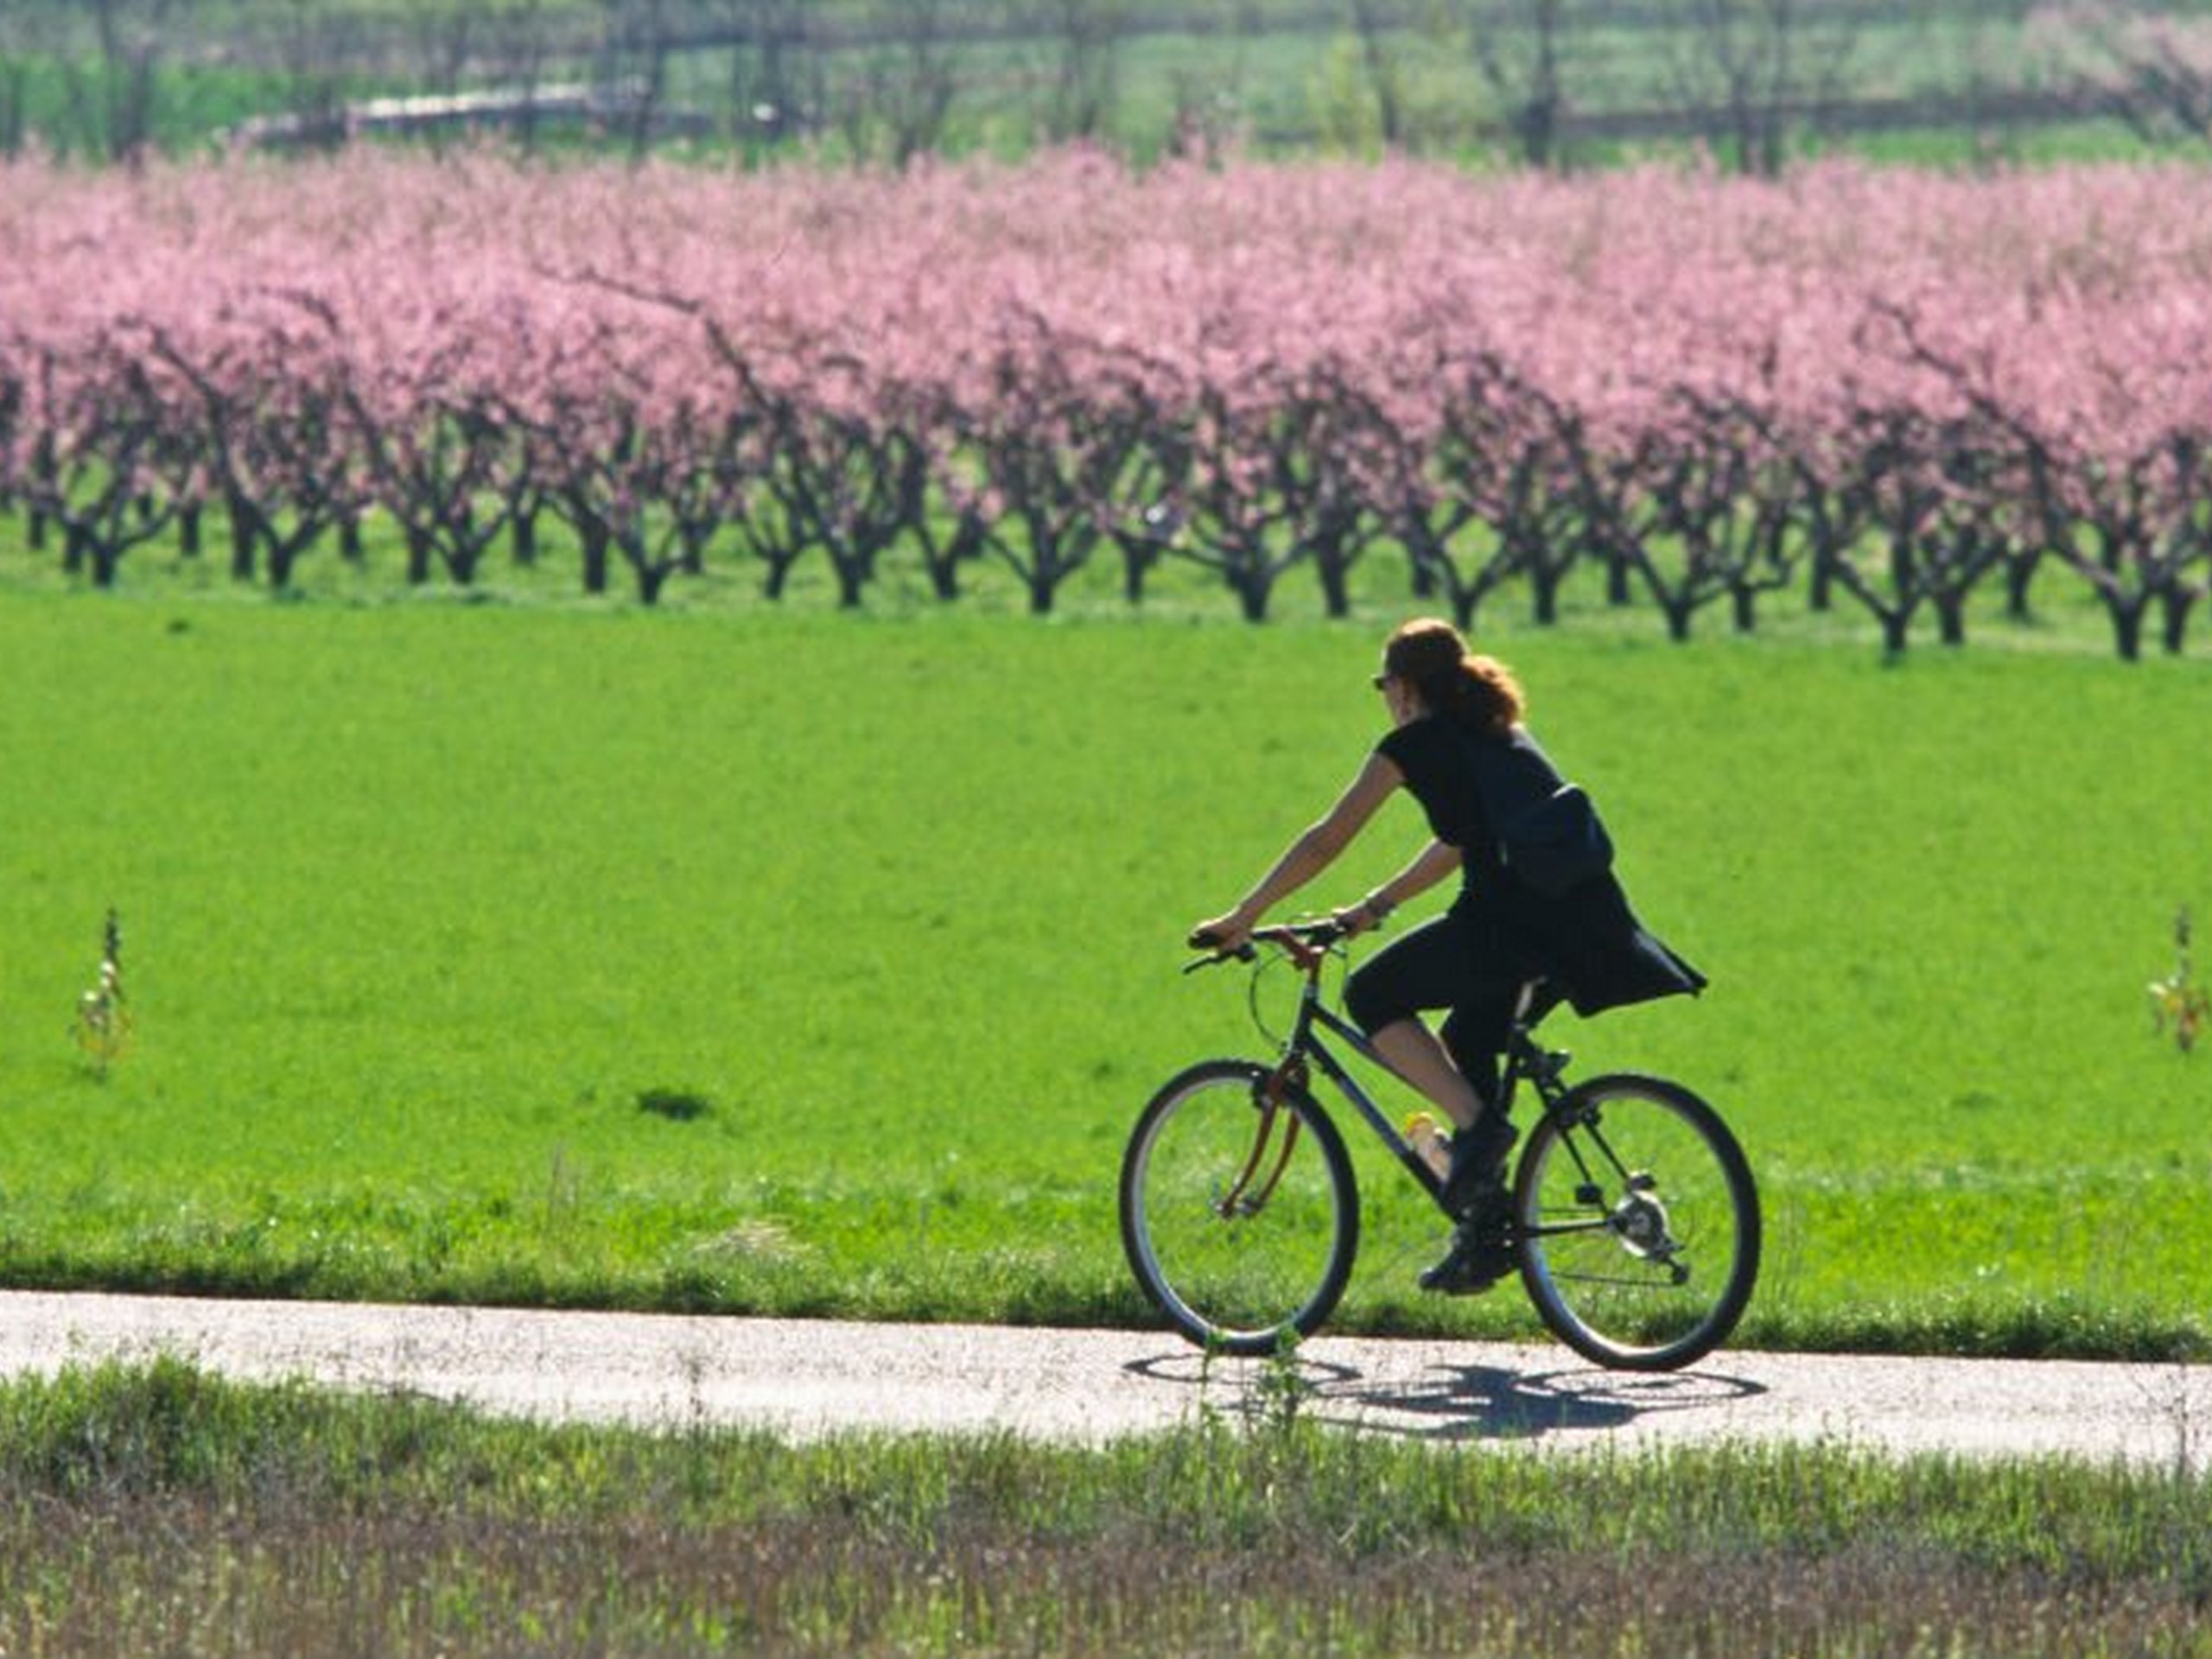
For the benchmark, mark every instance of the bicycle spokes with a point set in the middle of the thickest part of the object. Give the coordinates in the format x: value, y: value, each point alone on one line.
x: 1238, y: 1210
x: 1634, y: 1212
x: 1640, y: 1224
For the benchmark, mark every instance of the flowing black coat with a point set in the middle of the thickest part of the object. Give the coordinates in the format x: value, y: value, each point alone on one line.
x: 1588, y: 942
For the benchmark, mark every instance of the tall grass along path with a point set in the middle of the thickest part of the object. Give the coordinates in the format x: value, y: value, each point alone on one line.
x: 808, y: 1378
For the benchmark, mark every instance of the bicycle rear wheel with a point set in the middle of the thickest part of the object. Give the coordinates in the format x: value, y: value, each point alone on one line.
x: 1239, y: 1214
x: 1639, y: 1224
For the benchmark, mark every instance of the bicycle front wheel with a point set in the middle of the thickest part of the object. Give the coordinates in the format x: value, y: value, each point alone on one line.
x: 1639, y: 1224
x: 1238, y: 1210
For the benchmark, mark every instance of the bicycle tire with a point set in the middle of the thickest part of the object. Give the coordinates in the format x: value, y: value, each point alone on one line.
x: 1237, y: 1252
x: 1638, y: 1223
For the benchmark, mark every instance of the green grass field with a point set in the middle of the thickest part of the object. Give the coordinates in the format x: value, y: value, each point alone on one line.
x: 421, y: 899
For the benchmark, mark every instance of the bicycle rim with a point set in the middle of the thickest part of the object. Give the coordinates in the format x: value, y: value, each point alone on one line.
x: 1640, y: 1224
x: 1240, y: 1221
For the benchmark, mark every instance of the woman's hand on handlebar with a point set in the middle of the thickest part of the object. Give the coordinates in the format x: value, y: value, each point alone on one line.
x: 1354, y: 918
x: 1225, y: 934
x: 1232, y: 937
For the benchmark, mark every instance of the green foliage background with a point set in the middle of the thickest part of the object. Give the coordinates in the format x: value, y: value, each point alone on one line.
x: 420, y: 899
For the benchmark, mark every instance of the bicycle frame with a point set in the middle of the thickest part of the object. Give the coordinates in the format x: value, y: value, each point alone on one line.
x: 1525, y: 1060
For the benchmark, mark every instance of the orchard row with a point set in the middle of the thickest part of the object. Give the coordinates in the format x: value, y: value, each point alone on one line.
x: 1896, y: 387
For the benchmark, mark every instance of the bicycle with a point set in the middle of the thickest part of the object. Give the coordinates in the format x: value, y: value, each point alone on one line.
x: 1632, y: 1219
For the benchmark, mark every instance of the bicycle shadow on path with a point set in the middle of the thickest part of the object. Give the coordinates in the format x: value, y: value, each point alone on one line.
x: 1443, y: 1402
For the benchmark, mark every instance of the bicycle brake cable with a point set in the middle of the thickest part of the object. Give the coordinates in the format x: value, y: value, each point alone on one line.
x: 1337, y: 948
x: 1252, y: 998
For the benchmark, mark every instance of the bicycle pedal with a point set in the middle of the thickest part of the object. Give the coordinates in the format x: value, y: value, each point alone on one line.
x: 1469, y: 1268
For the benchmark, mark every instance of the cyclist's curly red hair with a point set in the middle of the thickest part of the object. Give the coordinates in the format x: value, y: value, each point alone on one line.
x: 1478, y: 692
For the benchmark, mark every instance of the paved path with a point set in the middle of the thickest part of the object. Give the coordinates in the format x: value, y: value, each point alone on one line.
x: 806, y: 1378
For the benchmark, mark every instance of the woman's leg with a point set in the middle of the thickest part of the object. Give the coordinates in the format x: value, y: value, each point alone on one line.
x: 1435, y: 966
x: 1474, y: 1035
x: 1415, y: 1054
x: 1442, y: 965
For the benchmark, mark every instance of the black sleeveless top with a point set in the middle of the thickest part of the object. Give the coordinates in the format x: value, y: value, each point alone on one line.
x: 1442, y: 761
x: 1588, y: 940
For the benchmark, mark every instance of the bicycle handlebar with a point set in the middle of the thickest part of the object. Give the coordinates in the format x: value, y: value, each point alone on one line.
x: 1304, y: 943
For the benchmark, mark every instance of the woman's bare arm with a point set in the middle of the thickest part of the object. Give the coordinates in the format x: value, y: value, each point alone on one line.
x: 1312, y: 853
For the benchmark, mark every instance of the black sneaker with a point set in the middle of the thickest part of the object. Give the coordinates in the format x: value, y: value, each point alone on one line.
x: 1479, y: 1258
x: 1477, y: 1163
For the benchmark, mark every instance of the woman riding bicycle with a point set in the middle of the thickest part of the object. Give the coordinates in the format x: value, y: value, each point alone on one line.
x: 1457, y: 740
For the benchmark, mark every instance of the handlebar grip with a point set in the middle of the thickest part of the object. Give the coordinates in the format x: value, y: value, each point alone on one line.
x: 1201, y: 940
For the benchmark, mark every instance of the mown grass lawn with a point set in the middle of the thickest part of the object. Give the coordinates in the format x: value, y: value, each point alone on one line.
x: 420, y: 901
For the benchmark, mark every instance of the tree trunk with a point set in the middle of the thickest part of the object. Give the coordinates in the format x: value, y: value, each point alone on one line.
x: 1336, y: 592
x: 245, y: 530
x: 2127, y: 627
x: 592, y: 536
x: 1252, y: 594
x: 1136, y: 565
x: 283, y: 553
x: 103, y: 556
x: 462, y: 553
x: 2175, y: 605
x: 1820, y: 593
x: 1951, y: 618
x: 1543, y: 586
